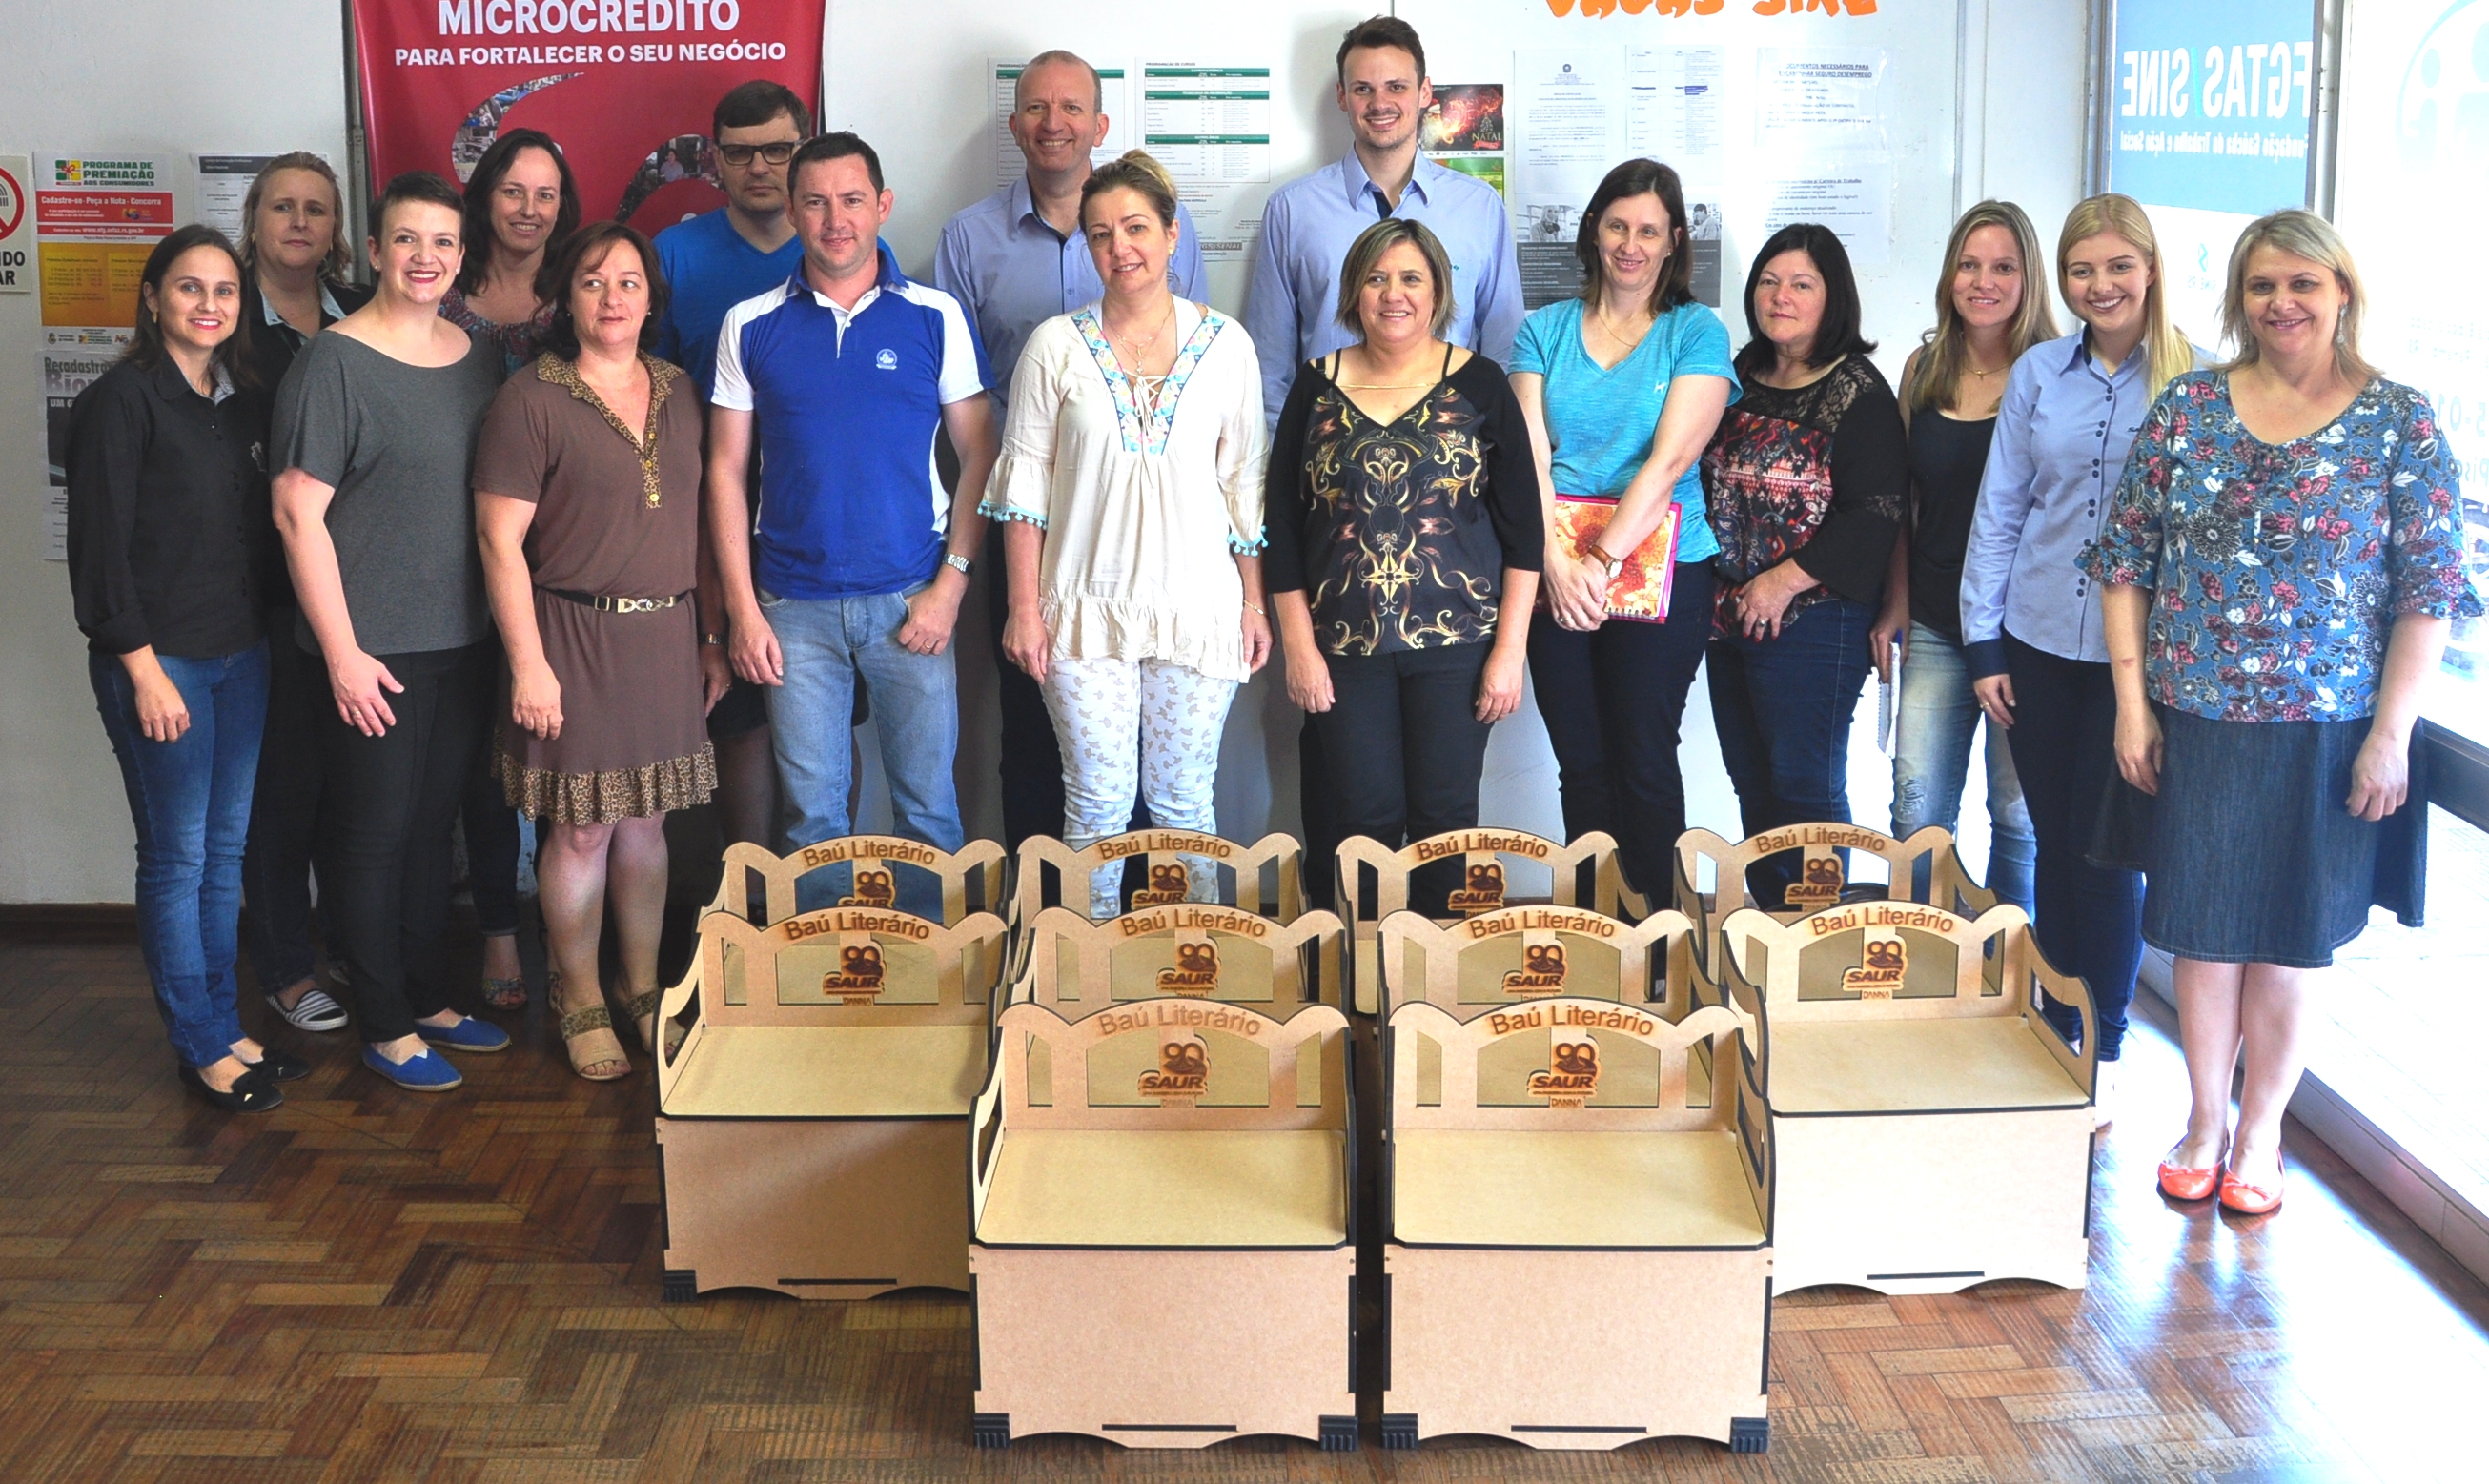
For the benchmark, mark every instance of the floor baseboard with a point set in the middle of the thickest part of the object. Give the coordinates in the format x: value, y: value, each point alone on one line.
x: 68, y: 922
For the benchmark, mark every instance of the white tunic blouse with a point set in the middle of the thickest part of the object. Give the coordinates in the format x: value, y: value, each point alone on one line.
x: 1144, y: 512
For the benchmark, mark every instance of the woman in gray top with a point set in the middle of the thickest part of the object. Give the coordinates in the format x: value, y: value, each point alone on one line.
x: 375, y: 431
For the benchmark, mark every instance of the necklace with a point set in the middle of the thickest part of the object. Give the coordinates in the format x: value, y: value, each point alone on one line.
x: 1599, y: 312
x: 1136, y: 346
x: 1975, y: 371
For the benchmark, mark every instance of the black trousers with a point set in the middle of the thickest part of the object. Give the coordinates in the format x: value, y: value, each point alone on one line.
x: 285, y: 812
x: 386, y: 861
x: 492, y: 828
x: 1613, y: 700
x: 1405, y: 750
x: 2090, y: 917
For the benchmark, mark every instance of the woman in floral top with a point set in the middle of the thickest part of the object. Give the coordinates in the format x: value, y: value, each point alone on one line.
x: 2279, y: 567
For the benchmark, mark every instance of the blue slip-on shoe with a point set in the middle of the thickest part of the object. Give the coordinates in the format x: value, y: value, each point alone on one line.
x: 465, y: 1034
x: 429, y: 1072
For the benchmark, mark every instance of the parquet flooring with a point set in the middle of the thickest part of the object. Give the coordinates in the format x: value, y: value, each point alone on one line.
x: 371, y: 1286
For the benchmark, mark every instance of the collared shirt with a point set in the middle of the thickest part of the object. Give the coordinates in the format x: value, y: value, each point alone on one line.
x: 845, y: 405
x: 2062, y: 436
x: 167, y: 490
x: 1307, y: 227
x: 274, y: 342
x: 2276, y: 571
x: 710, y: 268
x: 1013, y: 272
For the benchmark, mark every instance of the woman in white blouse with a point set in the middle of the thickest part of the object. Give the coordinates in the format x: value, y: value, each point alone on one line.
x: 1132, y: 472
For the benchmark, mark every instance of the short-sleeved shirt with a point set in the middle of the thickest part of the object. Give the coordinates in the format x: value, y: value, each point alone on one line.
x: 396, y: 442
x: 1601, y: 421
x: 1399, y: 533
x: 710, y: 268
x: 2277, y: 571
x: 1818, y: 475
x: 845, y: 405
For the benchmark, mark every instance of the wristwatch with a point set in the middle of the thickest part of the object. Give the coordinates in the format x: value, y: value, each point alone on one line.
x: 958, y: 563
x: 1598, y: 553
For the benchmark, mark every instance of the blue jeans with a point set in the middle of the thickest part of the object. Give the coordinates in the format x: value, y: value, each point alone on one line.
x: 1931, y: 754
x: 1783, y: 708
x: 829, y: 644
x: 190, y: 801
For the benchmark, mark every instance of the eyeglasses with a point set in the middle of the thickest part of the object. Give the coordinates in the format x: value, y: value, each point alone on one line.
x: 777, y: 153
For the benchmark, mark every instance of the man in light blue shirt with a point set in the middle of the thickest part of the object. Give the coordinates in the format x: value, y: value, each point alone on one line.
x: 1291, y: 310
x: 1013, y: 261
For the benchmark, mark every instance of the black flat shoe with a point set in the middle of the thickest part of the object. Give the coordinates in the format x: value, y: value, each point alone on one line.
x: 277, y: 1067
x: 251, y: 1092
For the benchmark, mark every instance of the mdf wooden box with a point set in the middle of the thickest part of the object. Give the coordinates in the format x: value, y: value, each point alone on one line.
x: 1265, y: 878
x: 1932, y: 1131
x: 971, y: 879
x: 813, y: 1118
x: 1165, y: 1260
x: 1372, y: 884
x: 1573, y: 1263
x: 1187, y: 950
x: 1923, y: 867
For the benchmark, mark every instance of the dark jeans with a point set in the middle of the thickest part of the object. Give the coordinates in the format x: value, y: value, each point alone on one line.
x: 384, y: 867
x: 492, y: 828
x: 1783, y: 708
x: 190, y: 801
x: 1406, y: 749
x: 2090, y: 918
x: 1613, y: 700
x: 285, y: 812
x: 1032, y: 762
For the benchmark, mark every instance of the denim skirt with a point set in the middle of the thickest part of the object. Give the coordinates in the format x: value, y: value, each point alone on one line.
x: 2250, y: 856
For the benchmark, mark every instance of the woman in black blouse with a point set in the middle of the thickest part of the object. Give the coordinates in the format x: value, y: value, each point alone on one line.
x: 1402, y: 517
x: 1804, y: 484
x: 167, y: 491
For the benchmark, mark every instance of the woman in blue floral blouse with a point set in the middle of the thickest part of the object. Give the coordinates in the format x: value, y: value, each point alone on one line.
x: 2280, y: 565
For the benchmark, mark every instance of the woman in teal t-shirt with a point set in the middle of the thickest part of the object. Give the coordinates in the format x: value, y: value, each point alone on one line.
x: 1621, y: 390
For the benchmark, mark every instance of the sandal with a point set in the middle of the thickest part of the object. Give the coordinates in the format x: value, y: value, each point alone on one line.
x: 642, y: 1011
x: 588, y: 1035
x: 506, y: 993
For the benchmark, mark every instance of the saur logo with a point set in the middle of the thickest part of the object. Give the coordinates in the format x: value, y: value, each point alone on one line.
x: 872, y: 889
x: 1887, y: 963
x: 1573, y: 1080
x: 1541, y: 971
x: 857, y: 980
x: 1195, y: 971
x: 1168, y: 884
x: 1181, y: 1075
x: 1820, y: 885
x: 1483, y: 893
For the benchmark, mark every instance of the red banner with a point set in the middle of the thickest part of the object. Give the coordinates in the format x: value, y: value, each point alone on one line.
x: 628, y: 87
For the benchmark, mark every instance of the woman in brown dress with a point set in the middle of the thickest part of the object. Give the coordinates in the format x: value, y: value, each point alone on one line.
x: 587, y: 506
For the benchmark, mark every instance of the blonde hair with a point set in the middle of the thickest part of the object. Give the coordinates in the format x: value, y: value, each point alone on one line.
x: 340, y: 261
x: 2166, y: 351
x: 2301, y: 235
x: 1135, y: 170
x: 1946, y: 353
x: 1368, y: 249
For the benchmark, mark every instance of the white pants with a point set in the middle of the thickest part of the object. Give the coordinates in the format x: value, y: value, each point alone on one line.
x: 1129, y: 729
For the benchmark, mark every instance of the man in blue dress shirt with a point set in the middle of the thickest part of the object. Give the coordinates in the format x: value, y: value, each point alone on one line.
x: 1014, y: 260
x: 1292, y: 309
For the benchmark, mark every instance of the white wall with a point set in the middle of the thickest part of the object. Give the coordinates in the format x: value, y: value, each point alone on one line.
x: 146, y: 80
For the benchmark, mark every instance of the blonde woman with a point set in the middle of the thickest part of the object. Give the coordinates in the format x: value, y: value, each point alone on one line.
x: 2031, y: 617
x: 1988, y: 314
x: 1131, y: 476
x: 2283, y: 557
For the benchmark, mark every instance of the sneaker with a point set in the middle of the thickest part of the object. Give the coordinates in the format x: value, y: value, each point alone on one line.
x: 2103, y: 1095
x: 316, y: 1010
x: 465, y: 1034
x: 429, y: 1072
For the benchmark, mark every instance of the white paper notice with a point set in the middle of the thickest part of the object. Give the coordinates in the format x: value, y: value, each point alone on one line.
x: 73, y: 358
x: 223, y: 184
x: 1672, y: 105
x: 1008, y: 163
x: 1819, y: 97
x: 1209, y: 125
x: 1853, y: 196
x: 1567, y: 118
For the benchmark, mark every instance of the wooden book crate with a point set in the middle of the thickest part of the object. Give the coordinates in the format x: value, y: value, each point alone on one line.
x: 812, y: 1123
x: 1163, y: 1258
x: 1189, y: 950
x: 1373, y: 883
x: 1576, y: 1264
x: 1823, y: 880
x: 1932, y: 1131
x: 971, y: 877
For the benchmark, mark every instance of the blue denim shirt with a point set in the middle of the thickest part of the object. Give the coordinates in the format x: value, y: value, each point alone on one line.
x: 2062, y: 437
x: 1307, y: 227
x: 1013, y: 272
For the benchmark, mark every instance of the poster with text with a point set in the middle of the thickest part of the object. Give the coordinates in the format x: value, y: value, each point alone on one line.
x: 2210, y: 103
x: 627, y: 89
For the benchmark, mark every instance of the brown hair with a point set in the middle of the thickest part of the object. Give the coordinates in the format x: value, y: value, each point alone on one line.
x: 339, y: 264
x: 587, y: 248
x: 2165, y: 347
x: 1946, y: 349
x: 1639, y: 178
x: 1135, y: 170
x: 146, y: 337
x: 1368, y: 249
x: 2302, y: 235
x: 476, y: 208
x: 1380, y: 31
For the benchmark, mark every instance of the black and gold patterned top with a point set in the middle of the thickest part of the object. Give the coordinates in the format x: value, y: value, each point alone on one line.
x: 1399, y: 534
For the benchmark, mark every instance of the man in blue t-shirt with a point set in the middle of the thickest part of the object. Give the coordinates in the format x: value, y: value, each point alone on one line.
x: 843, y: 375
x: 711, y: 262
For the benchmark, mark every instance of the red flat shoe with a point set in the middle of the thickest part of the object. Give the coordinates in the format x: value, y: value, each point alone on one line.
x: 2181, y: 1183
x: 2245, y: 1199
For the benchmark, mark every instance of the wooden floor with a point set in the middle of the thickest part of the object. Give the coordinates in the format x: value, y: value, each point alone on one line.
x: 372, y: 1286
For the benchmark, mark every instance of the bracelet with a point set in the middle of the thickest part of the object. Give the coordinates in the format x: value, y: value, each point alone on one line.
x: 1257, y: 608
x: 713, y: 640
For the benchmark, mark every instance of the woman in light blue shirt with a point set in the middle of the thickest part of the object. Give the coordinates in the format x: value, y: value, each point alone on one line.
x: 1621, y: 390
x: 2031, y: 616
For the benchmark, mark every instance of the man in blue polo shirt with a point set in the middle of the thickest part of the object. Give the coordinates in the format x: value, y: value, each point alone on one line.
x: 844, y: 374
x: 1291, y: 309
x: 1014, y: 260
